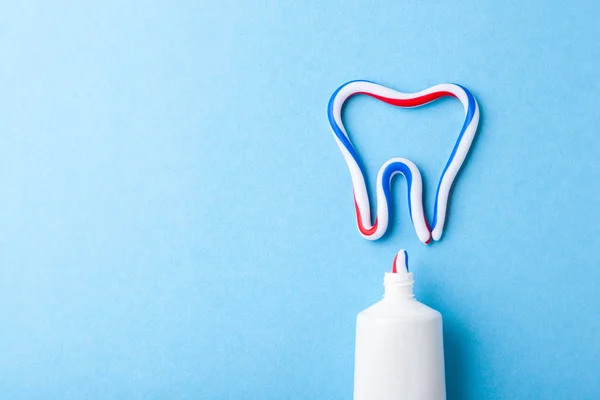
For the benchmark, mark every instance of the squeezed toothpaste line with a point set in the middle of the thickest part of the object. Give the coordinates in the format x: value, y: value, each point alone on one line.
x: 394, y: 166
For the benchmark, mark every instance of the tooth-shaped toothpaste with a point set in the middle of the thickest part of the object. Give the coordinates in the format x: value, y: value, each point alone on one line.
x: 407, y: 168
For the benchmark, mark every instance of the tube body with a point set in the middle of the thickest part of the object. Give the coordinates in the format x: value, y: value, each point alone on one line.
x: 399, y: 347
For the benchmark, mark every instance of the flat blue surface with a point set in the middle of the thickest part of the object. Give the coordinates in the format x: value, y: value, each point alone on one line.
x: 176, y: 221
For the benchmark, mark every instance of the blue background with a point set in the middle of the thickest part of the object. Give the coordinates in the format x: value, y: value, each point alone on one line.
x: 176, y: 220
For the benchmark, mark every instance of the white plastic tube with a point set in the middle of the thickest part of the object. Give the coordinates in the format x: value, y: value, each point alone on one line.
x: 399, y: 347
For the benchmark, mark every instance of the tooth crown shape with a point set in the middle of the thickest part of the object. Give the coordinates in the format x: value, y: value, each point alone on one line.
x: 402, y: 166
